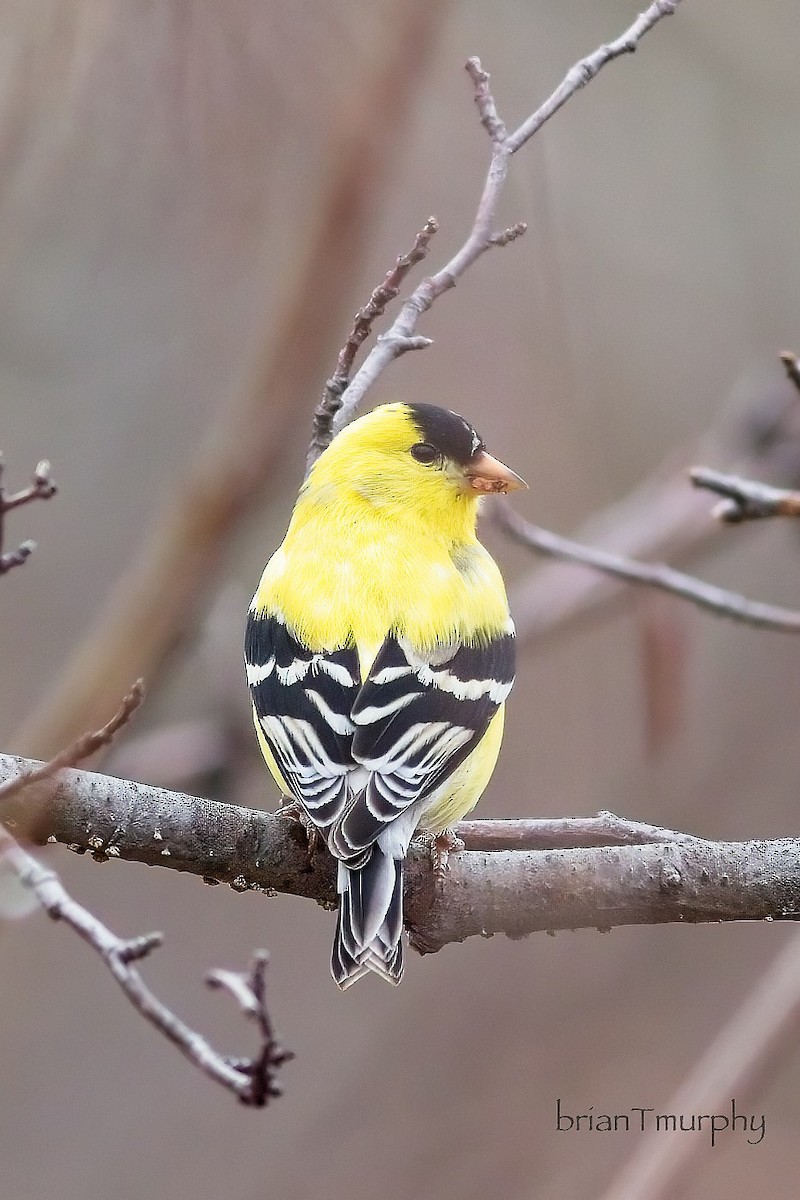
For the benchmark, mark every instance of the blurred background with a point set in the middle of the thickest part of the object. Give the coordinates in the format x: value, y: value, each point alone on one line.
x: 194, y: 199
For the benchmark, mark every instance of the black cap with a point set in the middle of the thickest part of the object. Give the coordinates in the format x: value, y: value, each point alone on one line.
x: 447, y: 431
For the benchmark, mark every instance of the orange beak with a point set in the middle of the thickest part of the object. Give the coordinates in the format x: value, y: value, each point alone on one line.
x: 487, y: 474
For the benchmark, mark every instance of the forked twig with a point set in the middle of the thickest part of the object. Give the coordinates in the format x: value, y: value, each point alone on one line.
x: 41, y: 487
x: 253, y: 1080
x: 483, y: 236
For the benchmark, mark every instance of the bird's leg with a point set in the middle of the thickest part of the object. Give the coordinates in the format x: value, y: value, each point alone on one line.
x: 293, y: 810
x: 441, y: 845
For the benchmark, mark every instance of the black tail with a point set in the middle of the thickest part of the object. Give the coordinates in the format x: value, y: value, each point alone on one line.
x: 370, y: 924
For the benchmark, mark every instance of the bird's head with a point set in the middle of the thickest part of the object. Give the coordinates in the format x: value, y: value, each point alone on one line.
x: 420, y: 460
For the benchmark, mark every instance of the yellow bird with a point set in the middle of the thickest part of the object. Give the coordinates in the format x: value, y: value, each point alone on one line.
x: 379, y: 654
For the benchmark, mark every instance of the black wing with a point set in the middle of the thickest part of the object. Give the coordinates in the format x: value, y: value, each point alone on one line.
x: 303, y: 702
x: 416, y: 719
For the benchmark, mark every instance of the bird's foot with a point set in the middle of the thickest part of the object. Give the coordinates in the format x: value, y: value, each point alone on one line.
x: 441, y: 846
x: 293, y: 810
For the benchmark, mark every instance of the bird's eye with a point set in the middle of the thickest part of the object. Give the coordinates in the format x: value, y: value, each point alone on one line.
x: 423, y: 452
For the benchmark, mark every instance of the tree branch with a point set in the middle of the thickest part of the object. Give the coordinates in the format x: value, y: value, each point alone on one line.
x: 82, y: 748
x: 375, y: 307
x: 252, y: 1080
x: 662, y: 518
x: 745, y: 499
x: 792, y: 366
x: 483, y: 236
x: 587, y: 68
x: 657, y: 575
x: 563, y: 833
x: 516, y: 892
x: 41, y: 487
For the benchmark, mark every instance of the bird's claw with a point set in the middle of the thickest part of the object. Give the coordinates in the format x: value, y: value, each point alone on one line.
x: 441, y: 846
x: 292, y: 810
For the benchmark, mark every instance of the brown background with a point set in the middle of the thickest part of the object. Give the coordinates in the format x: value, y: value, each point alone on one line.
x: 159, y: 171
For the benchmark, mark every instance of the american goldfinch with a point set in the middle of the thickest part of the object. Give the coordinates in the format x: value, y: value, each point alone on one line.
x: 379, y: 654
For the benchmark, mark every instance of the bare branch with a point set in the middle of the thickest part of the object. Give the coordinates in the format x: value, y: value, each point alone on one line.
x: 375, y: 307
x: 483, y: 235
x: 506, y: 236
x: 15, y: 558
x: 484, y: 101
x: 82, y: 748
x: 41, y: 487
x: 522, y: 892
x: 587, y: 68
x: 745, y: 499
x: 792, y: 366
x: 253, y: 1085
x: 662, y: 518
x: 656, y: 575
x: 251, y: 1080
x: 250, y: 993
x: 516, y: 892
x: 565, y: 833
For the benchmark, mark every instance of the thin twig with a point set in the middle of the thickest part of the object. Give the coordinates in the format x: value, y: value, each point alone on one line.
x: 41, y: 487
x: 15, y: 558
x: 507, y: 236
x: 375, y: 307
x: 662, y: 518
x: 250, y: 993
x: 485, y: 102
x: 587, y: 68
x: 251, y: 1080
x: 483, y: 236
x: 82, y: 748
x: 745, y: 499
x: 563, y: 833
x: 792, y: 365
x: 253, y: 1084
x: 657, y: 575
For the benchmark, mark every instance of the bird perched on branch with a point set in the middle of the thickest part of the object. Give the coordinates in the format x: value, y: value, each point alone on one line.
x: 379, y: 653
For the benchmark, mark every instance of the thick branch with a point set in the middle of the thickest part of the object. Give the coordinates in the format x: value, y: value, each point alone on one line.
x: 514, y: 892
x: 523, y: 892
